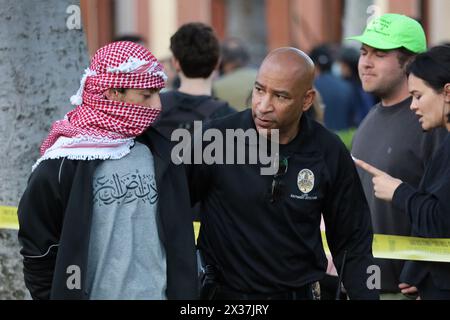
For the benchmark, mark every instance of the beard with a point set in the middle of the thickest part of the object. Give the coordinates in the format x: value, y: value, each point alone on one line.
x: 385, y: 90
x: 386, y: 86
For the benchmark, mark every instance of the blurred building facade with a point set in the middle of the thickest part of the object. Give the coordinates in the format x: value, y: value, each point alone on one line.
x: 263, y: 24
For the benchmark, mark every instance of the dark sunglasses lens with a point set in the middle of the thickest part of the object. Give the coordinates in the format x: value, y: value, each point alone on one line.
x: 277, y: 188
x: 277, y: 185
x: 282, y: 168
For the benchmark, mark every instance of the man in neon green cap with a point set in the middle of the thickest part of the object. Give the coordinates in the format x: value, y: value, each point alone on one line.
x: 390, y: 137
x: 394, y: 31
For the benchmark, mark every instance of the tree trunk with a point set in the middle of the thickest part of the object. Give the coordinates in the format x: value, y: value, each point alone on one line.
x: 41, y: 61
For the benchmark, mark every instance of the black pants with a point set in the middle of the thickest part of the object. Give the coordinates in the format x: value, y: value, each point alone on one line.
x: 328, y: 288
x: 225, y: 293
x: 429, y: 291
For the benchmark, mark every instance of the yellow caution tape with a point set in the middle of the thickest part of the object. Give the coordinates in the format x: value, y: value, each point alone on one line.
x: 8, y: 218
x: 397, y: 247
x: 196, y: 230
x: 406, y: 248
x: 409, y: 248
x: 384, y: 246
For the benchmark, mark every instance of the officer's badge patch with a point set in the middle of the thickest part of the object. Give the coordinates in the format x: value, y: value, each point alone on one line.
x: 305, y: 181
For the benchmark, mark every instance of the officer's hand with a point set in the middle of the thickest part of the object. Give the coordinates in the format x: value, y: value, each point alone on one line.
x: 408, y: 289
x: 383, y: 184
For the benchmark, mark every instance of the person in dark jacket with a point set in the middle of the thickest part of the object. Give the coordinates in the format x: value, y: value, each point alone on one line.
x: 196, y: 55
x: 261, y: 234
x: 97, y: 219
x: 336, y: 93
x: 427, y: 207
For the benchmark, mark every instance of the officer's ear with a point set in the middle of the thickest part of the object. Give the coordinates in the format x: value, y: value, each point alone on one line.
x: 447, y: 93
x: 308, y: 99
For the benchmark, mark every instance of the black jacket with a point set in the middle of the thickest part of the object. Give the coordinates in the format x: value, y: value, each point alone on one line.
x: 428, y: 209
x: 264, y: 247
x: 180, y: 110
x: 55, y: 219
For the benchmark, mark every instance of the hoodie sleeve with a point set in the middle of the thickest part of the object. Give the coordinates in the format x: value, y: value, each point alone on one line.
x: 428, y: 212
x: 428, y: 207
x: 40, y: 218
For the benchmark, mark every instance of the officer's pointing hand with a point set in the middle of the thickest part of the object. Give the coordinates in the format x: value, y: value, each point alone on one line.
x: 383, y: 184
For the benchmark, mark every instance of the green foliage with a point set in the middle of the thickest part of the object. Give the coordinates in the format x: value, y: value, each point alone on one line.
x: 347, y: 137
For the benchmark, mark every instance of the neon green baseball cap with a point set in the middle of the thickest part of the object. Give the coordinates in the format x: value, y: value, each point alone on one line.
x: 393, y: 31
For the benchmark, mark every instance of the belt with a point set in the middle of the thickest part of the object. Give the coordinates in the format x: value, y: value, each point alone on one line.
x: 302, y: 293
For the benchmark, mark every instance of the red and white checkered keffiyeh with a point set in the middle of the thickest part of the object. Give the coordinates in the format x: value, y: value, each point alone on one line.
x: 104, y: 129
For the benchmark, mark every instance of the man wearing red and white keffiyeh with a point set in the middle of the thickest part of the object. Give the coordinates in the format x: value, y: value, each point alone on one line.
x: 106, y: 120
x: 106, y: 213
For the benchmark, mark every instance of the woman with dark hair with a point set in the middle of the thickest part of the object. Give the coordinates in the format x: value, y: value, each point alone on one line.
x: 428, y: 207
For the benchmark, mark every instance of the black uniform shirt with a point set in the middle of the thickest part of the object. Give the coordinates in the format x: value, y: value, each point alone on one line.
x: 265, y: 247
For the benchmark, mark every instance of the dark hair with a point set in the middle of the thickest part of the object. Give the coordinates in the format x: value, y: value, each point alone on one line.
x: 433, y: 67
x: 197, y: 49
x: 124, y: 90
x: 322, y: 57
x: 233, y: 50
x: 350, y: 56
x: 404, y: 55
x: 130, y: 37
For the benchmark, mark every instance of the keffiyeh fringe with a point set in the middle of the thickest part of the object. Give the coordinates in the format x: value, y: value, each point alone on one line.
x: 87, y: 148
